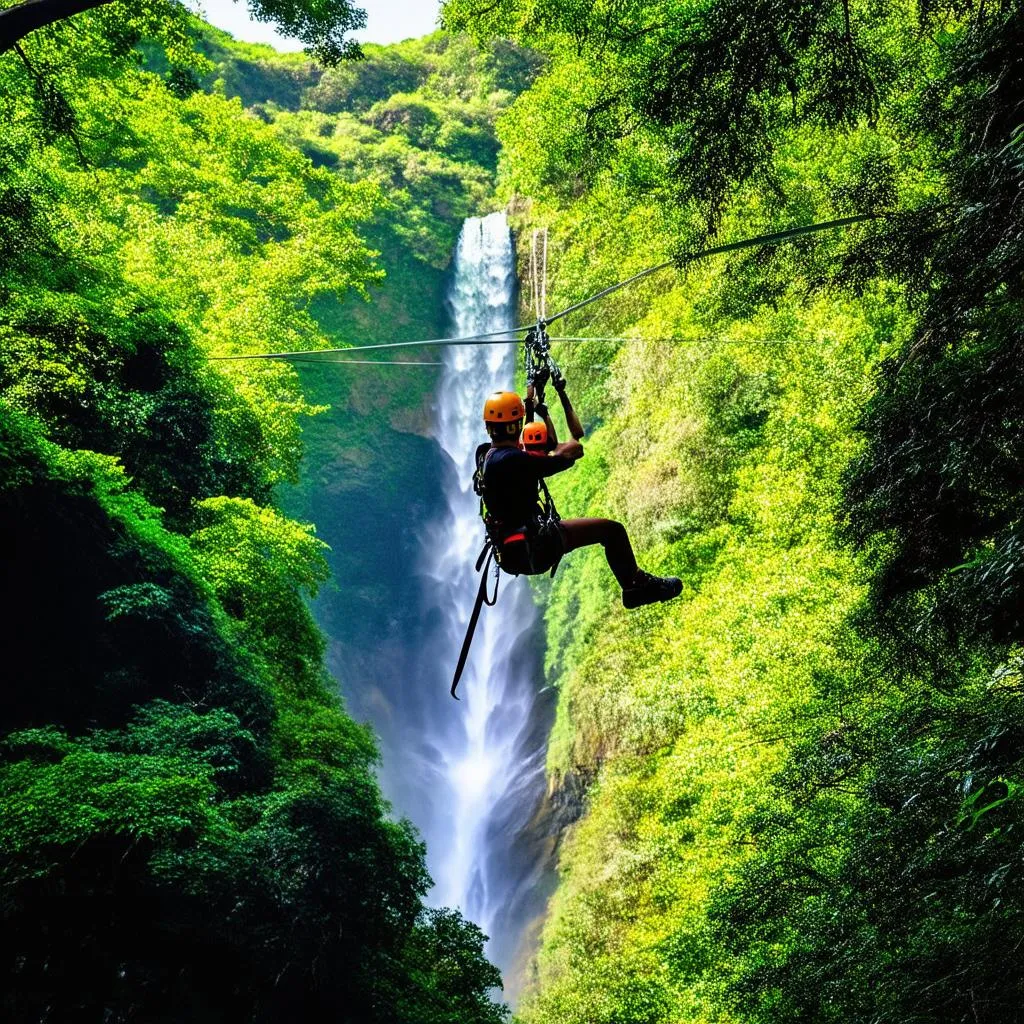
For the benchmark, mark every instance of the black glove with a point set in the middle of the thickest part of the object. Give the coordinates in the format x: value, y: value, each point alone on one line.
x: 559, y: 383
x: 541, y: 410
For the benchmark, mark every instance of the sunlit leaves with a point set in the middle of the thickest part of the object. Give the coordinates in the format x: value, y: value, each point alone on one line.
x: 192, y: 822
x: 323, y: 26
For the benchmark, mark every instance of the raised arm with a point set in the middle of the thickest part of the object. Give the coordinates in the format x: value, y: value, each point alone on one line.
x: 542, y: 412
x: 562, y: 458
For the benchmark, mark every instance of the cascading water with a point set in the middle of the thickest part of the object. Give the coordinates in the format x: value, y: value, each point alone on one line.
x: 484, y: 767
x: 470, y: 774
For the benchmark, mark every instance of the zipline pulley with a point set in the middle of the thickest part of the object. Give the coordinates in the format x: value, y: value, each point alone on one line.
x: 541, y: 368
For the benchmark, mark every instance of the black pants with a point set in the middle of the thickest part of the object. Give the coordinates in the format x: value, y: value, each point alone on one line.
x: 580, y: 533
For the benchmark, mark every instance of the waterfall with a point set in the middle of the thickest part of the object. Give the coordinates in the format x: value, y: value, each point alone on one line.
x: 470, y: 775
x: 404, y: 541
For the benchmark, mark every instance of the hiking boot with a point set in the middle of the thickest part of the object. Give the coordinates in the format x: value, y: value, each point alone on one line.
x: 648, y: 589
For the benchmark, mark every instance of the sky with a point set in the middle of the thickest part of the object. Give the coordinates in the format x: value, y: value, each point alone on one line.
x: 388, y: 21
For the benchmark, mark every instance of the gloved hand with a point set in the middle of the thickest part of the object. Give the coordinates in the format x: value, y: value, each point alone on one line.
x: 542, y: 410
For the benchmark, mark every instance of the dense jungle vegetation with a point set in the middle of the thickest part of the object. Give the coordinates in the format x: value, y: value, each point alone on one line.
x: 191, y: 827
x: 805, y: 777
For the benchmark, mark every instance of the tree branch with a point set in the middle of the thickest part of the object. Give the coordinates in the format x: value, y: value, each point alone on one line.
x: 16, y: 22
x: 41, y: 85
x: 847, y: 28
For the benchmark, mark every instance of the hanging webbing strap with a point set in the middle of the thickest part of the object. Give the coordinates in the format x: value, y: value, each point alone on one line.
x: 484, y: 562
x: 548, y: 504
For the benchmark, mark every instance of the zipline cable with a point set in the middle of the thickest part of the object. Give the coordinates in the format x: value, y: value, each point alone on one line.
x: 370, y: 362
x: 544, y: 279
x: 534, y: 296
x: 469, y: 339
x: 662, y: 340
x: 484, y: 339
x: 746, y: 243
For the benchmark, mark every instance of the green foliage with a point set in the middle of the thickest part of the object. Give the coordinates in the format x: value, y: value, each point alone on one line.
x: 806, y: 771
x: 722, y: 456
x: 322, y: 26
x: 116, y: 586
x: 191, y: 824
x: 355, y: 87
x: 418, y: 120
x: 408, y: 117
x: 252, y: 72
x: 451, y: 983
x: 918, y: 892
x: 914, y: 912
x: 717, y: 87
x: 936, y: 493
x: 175, y: 186
x: 259, y: 564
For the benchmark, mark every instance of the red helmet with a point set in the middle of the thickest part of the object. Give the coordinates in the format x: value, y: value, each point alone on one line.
x: 535, y: 437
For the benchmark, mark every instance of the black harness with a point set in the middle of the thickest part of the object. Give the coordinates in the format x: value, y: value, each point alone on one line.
x: 519, y: 548
x: 527, y: 549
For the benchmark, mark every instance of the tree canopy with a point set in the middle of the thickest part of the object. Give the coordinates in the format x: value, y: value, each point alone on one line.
x: 192, y: 827
x: 322, y: 25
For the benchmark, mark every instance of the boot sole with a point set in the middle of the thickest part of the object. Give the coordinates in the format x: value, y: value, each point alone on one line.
x: 639, y: 600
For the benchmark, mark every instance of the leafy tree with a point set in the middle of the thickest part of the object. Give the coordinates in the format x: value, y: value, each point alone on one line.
x: 410, y: 117
x: 450, y: 977
x: 936, y: 492
x: 321, y: 26
x: 719, y: 85
x: 191, y: 823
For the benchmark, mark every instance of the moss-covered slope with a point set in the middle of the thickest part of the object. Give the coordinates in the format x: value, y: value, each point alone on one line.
x: 721, y: 450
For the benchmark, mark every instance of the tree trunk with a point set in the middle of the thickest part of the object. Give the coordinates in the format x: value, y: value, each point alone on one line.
x: 16, y: 22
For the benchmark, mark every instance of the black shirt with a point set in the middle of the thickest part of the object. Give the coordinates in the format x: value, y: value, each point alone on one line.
x: 510, y: 482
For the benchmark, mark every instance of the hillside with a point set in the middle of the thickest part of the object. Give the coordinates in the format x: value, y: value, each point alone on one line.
x: 801, y: 777
x: 192, y: 824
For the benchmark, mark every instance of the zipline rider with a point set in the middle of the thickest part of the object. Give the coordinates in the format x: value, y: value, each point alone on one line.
x: 527, y: 534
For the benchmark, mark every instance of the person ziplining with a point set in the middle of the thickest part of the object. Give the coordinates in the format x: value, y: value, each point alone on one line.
x: 526, y: 533
x: 524, y: 530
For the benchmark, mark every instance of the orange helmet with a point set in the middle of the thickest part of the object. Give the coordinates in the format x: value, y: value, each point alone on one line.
x: 504, y: 407
x: 535, y: 437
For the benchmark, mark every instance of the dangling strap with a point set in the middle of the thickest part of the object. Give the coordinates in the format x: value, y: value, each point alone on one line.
x: 483, y: 553
x: 551, y: 517
x: 485, y: 559
x: 550, y: 512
